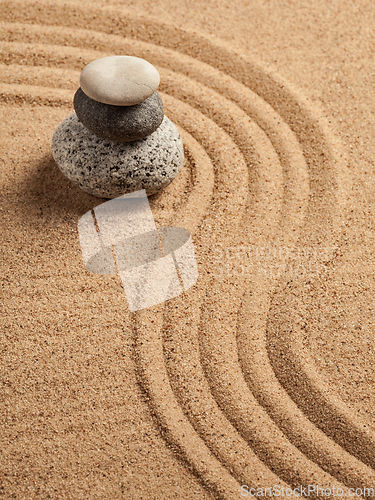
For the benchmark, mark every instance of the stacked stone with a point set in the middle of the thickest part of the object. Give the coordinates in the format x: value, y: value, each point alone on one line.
x: 118, y: 140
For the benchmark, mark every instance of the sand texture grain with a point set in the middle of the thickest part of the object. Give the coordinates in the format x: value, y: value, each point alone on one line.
x: 263, y: 373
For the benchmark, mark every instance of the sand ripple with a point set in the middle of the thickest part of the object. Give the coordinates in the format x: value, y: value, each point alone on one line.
x: 234, y: 390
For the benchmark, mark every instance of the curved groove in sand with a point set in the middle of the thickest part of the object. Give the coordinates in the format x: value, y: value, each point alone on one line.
x: 253, y: 359
x: 312, y: 394
x: 261, y: 379
x: 177, y: 364
x: 317, y: 400
x: 278, y: 461
x: 38, y: 76
x: 196, y: 399
x: 191, y: 213
x: 219, y: 357
x: 230, y: 190
x: 190, y: 387
x: 40, y: 54
x: 178, y: 430
x: 17, y: 94
x: 277, y: 108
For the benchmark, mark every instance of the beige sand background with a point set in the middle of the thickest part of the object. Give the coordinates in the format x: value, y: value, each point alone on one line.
x: 263, y: 373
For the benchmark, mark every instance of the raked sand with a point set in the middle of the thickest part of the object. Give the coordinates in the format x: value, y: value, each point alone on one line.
x: 263, y: 373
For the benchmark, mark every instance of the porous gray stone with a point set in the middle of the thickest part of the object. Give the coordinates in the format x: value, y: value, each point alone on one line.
x: 119, y: 123
x: 119, y: 80
x: 110, y: 169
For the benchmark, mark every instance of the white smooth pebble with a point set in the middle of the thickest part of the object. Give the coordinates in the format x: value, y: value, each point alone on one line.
x: 119, y: 80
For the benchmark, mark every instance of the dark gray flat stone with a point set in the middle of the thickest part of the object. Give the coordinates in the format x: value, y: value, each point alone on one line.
x: 119, y: 123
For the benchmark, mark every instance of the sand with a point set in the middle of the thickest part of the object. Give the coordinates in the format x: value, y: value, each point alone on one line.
x: 261, y: 375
